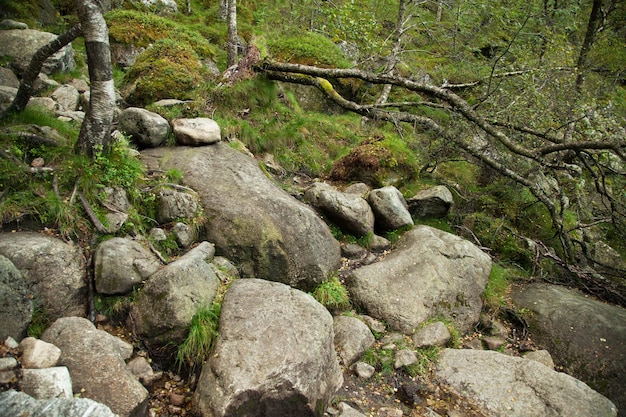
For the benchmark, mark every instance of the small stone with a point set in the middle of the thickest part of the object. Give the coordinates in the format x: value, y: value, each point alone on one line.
x: 37, y: 354
x: 347, y: 411
x: 363, y: 370
x: 475, y: 344
x: 177, y: 399
x: 389, y: 412
x: 493, y: 343
x: 47, y: 383
x: 11, y: 343
x: 435, y: 334
x: 404, y: 357
x: 37, y: 162
x: 375, y: 325
x: 7, y: 377
x: 8, y: 363
x: 541, y: 356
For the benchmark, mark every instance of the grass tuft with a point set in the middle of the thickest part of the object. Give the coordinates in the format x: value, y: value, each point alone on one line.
x: 332, y: 294
x: 201, y: 339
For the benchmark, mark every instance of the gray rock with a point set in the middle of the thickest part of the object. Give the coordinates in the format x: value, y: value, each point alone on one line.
x: 16, y: 403
x: 378, y: 243
x: 433, y: 202
x: 21, y: 44
x: 46, y: 383
x: 161, y: 6
x: 274, y: 355
x: 196, y: 132
x: 45, y: 103
x: 8, y: 24
x: 175, y: 204
x: 224, y: 269
x: 184, y: 234
x: 7, y: 95
x: 148, y: 129
x: 8, y: 78
x: 165, y: 306
x: 404, y: 357
x: 140, y: 367
x: 434, y: 334
x: 38, y: 354
x: 95, y: 360
x: 124, y: 55
x: 510, y: 386
x: 55, y: 271
x: 157, y: 234
x: 346, y: 411
x: 120, y: 264
x: 67, y: 97
x: 352, y: 338
x: 8, y: 363
x: 363, y: 370
x: 542, y: 356
x: 586, y: 337
x: 429, y: 273
x: 16, y: 307
x: 353, y: 251
x: 390, y: 209
x: 493, y: 343
x: 359, y: 188
x: 255, y: 224
x: 390, y: 412
x: 350, y: 212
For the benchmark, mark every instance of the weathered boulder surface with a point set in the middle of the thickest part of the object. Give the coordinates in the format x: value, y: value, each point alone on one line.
x: 175, y: 204
x: 44, y: 383
x: 274, y: 355
x: 432, y: 202
x: 509, y: 386
x: 196, y: 132
x: 252, y: 222
x: 390, y: 208
x: 148, y: 129
x: 168, y: 301
x: 55, y: 271
x: 22, y: 45
x: 586, y: 337
x: 429, y: 273
x: 350, y: 212
x: 15, y: 403
x: 95, y: 360
x: 120, y: 264
x: 352, y: 338
x: 16, y: 307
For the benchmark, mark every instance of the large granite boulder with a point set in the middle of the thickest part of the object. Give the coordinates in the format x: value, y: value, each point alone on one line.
x: 54, y: 270
x: 95, y: 360
x: 168, y: 301
x: 274, y: 355
x: 148, y: 129
x: 509, y: 386
x: 350, y: 212
x: 22, y: 44
x: 252, y: 222
x: 586, y: 337
x: 429, y: 273
x: 16, y: 307
x: 14, y: 403
x: 120, y: 264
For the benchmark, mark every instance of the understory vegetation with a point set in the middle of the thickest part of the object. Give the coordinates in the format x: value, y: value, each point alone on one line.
x: 521, y: 66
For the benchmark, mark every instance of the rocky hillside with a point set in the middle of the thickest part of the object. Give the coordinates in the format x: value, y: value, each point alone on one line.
x: 260, y: 255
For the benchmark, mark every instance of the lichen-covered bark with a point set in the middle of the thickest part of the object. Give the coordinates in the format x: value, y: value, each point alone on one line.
x: 95, y: 132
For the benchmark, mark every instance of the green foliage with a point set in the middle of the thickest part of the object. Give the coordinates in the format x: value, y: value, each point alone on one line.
x: 308, y: 48
x: 166, y: 69
x: 201, y: 338
x: 114, y: 307
x: 39, y: 322
x: 143, y: 29
x: 426, y: 358
x: 332, y: 294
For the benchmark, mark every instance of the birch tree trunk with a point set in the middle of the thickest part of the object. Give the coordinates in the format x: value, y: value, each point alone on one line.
x: 95, y: 132
x: 231, y: 52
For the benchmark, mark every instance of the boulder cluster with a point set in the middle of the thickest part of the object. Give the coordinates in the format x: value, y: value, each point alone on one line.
x: 279, y: 352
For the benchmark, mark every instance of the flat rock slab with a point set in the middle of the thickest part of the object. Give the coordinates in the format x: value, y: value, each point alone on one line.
x: 429, y: 273
x: 586, y: 337
x: 510, y: 386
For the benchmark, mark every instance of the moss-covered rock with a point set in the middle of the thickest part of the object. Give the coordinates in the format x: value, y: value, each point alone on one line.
x: 308, y: 48
x: 377, y: 162
x: 167, y: 69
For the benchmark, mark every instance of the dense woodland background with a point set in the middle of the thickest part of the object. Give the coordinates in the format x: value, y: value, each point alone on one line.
x: 519, y: 107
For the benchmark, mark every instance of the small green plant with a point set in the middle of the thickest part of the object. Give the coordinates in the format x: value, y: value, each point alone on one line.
x: 381, y: 359
x: 115, y: 307
x: 39, y: 323
x: 201, y: 339
x: 332, y: 294
x: 425, y: 360
x: 496, y: 291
